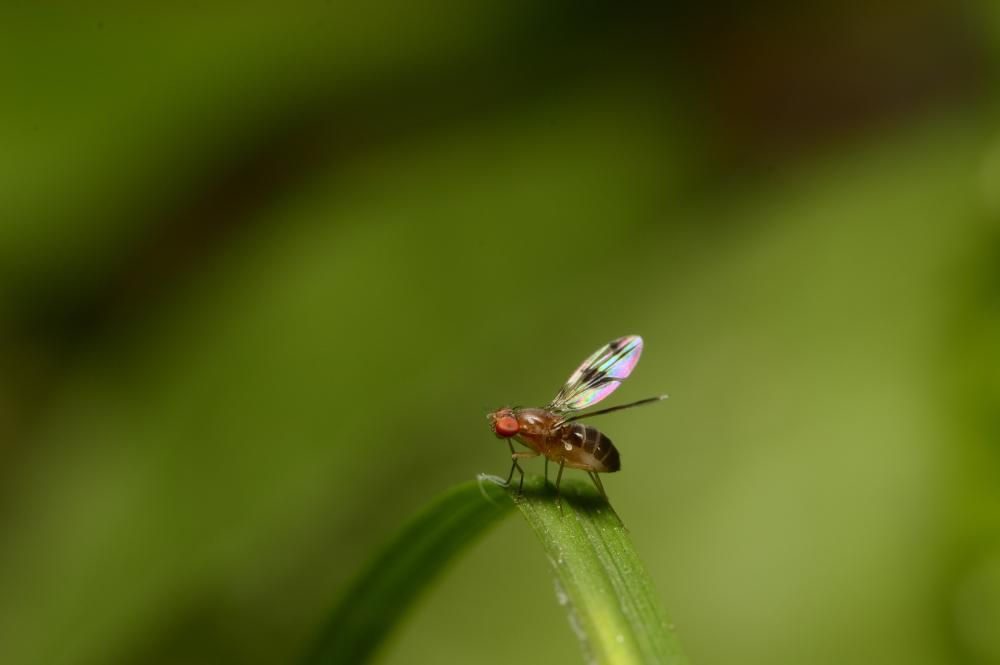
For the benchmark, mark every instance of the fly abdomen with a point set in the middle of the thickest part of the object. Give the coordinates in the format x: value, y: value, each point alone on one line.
x: 592, y: 450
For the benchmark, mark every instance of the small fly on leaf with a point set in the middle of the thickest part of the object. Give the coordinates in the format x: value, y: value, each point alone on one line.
x: 552, y: 431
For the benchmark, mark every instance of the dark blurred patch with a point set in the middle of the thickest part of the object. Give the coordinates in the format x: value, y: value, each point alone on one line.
x: 786, y: 83
x: 770, y: 84
x: 205, y: 630
x: 781, y: 83
x: 317, y: 130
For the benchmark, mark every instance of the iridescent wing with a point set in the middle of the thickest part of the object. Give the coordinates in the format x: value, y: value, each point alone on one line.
x: 599, y: 375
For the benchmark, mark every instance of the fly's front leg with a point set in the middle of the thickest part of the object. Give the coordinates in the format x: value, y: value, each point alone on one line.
x: 514, y: 456
x: 513, y: 466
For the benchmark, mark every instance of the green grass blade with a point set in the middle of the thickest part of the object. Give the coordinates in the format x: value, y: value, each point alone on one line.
x: 613, y: 608
x: 379, y: 597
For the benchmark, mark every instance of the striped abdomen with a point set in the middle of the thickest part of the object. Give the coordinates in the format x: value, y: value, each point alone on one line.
x: 584, y: 447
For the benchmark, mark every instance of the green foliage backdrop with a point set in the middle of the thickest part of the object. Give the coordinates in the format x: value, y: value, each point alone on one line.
x: 264, y: 267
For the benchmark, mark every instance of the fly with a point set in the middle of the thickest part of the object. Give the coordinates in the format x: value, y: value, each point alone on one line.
x: 553, y: 430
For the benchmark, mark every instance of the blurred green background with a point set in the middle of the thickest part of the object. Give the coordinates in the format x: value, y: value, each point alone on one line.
x: 264, y: 267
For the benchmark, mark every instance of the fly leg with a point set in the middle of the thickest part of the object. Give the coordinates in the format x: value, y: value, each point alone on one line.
x: 600, y: 487
x: 513, y: 466
x: 558, y: 480
x: 514, y: 456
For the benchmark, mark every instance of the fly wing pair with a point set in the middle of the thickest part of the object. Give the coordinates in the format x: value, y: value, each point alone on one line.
x: 599, y: 375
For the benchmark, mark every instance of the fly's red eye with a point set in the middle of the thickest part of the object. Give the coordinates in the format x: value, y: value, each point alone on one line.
x: 507, y: 426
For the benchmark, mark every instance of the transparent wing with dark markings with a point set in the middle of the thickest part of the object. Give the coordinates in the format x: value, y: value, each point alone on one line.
x: 599, y: 375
